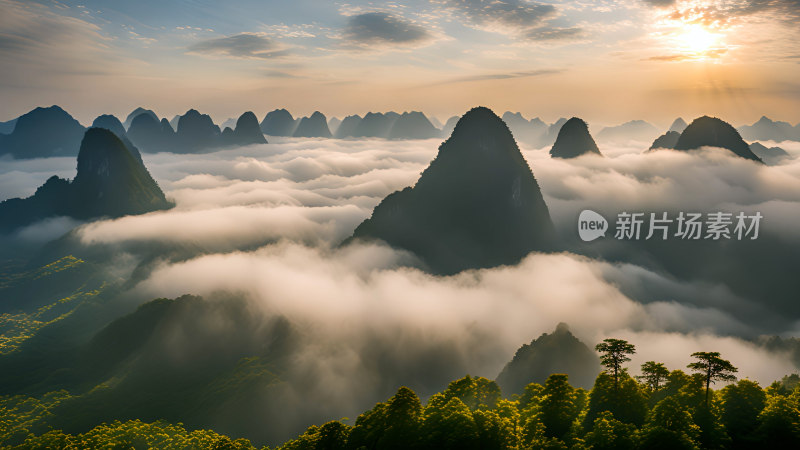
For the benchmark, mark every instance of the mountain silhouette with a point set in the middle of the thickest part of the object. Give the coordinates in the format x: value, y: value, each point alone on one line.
x: 768, y: 130
x: 666, y: 140
x: 557, y: 352
x: 150, y: 135
x: 713, y: 132
x: 574, y: 140
x: 110, y: 123
x: 348, y: 127
x: 531, y: 132
x: 771, y: 156
x: 333, y: 124
x: 476, y: 205
x: 136, y: 112
x: 196, y: 132
x: 314, y: 126
x: 8, y: 126
x: 43, y: 132
x: 450, y: 125
x: 412, y: 125
x: 635, y: 129
x: 110, y: 181
x: 278, y: 123
x: 678, y: 125
x: 375, y: 125
x: 247, y: 131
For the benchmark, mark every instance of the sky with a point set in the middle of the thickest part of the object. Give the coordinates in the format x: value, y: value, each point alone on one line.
x: 606, y: 61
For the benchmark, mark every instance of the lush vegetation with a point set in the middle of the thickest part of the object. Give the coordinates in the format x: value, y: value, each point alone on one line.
x: 661, y: 409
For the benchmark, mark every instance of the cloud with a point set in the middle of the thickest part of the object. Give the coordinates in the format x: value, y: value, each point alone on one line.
x: 503, y: 76
x: 380, y: 28
x: 659, y: 3
x: 523, y: 19
x: 243, y: 45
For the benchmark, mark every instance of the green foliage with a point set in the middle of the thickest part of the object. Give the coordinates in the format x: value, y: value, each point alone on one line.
x: 609, y: 433
x: 741, y: 404
x: 627, y: 402
x: 713, y: 368
x: 476, y: 393
x: 779, y: 423
x: 330, y: 436
x: 558, y: 408
x: 669, y: 426
x: 653, y: 375
x: 136, y: 434
x: 614, y: 353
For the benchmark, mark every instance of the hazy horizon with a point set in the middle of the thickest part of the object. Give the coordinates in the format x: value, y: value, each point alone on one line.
x: 650, y: 60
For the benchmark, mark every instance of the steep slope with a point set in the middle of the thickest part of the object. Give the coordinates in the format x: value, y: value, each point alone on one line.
x: 314, y: 126
x: 574, y: 140
x: 557, y: 352
x: 278, y: 123
x: 196, y: 132
x: 666, y: 140
x: 476, y: 205
x: 712, y: 132
x: 148, y: 134
x: 43, y: 132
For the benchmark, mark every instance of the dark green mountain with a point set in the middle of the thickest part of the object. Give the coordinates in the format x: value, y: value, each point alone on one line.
x: 712, y: 132
x: 574, y: 140
x: 558, y: 352
x: 476, y: 205
x: 666, y: 140
x: 348, y: 127
x: 412, y: 125
x: 110, y: 182
x: 136, y: 112
x: 110, y: 123
x: 314, y: 126
x: 278, y: 123
x: 43, y: 132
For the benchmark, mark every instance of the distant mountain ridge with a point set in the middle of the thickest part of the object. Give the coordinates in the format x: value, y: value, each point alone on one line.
x: 41, y: 133
x: 110, y: 181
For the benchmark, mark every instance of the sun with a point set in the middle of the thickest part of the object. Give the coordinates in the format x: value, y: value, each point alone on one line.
x: 696, y: 39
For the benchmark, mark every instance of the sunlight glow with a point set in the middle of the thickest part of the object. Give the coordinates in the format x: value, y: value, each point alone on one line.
x: 697, y: 39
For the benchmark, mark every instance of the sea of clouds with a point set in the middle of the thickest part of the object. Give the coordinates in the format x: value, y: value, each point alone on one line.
x: 270, y: 219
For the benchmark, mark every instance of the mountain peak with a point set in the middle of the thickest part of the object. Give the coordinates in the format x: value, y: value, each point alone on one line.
x: 708, y: 131
x: 476, y: 205
x: 574, y: 140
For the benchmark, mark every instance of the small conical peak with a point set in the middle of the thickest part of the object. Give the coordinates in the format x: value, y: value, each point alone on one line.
x: 708, y: 131
x: 574, y: 140
x: 764, y: 119
x: 678, y: 125
x: 318, y: 115
x: 248, y: 119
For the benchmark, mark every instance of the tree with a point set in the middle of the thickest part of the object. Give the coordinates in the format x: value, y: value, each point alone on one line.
x: 615, y: 353
x: 741, y: 404
x: 653, y: 374
x: 779, y: 423
x: 714, y: 368
x: 558, y: 409
x: 669, y: 426
x: 609, y: 433
x: 628, y: 403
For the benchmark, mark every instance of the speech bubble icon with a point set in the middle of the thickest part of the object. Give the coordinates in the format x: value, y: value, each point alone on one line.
x: 591, y: 225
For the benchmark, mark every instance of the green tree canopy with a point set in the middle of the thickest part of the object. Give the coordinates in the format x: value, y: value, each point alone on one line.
x: 653, y: 375
x: 713, y: 368
x: 614, y: 353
